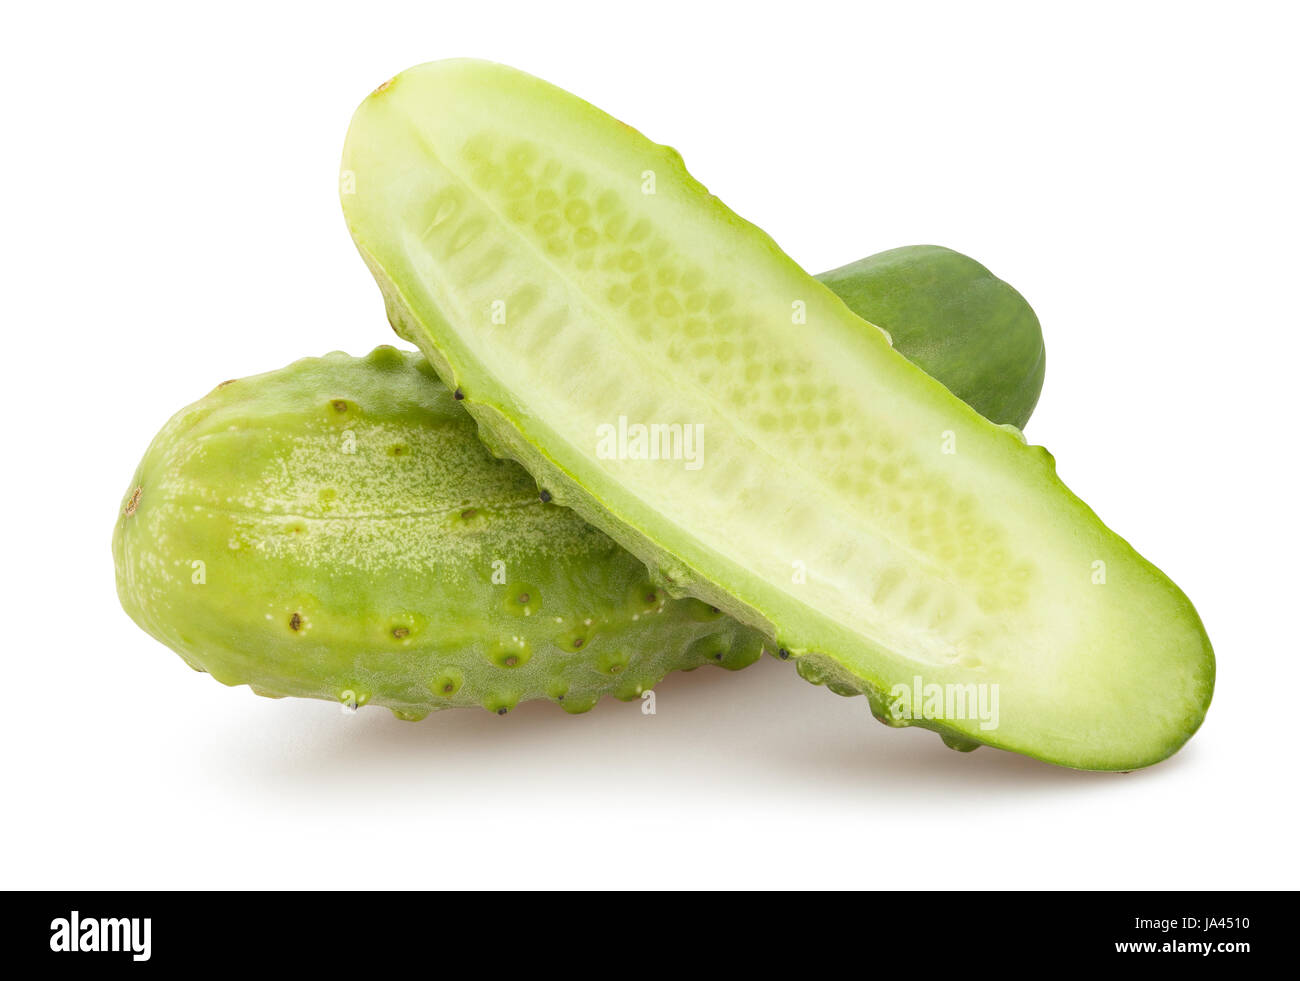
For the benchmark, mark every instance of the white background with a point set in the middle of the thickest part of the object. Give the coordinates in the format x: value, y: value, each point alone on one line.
x: 171, y: 220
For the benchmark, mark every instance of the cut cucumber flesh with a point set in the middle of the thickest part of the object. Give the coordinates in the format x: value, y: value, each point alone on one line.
x: 847, y: 504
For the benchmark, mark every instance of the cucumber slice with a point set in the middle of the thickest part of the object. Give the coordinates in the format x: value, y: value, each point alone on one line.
x: 844, y: 502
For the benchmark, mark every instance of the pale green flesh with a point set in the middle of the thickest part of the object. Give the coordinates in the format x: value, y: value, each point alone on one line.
x: 823, y: 449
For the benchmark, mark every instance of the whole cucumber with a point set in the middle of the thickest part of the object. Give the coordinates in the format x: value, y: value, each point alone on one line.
x: 336, y: 530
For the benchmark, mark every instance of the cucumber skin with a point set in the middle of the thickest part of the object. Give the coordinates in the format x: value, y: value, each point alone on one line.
x: 405, y: 673
x: 308, y: 591
x: 504, y: 427
x: 990, y: 351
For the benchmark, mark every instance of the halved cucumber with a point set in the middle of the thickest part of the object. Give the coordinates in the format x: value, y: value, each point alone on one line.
x: 573, y: 281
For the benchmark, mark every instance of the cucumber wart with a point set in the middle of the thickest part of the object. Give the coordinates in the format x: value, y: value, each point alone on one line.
x: 508, y: 226
x: 336, y: 530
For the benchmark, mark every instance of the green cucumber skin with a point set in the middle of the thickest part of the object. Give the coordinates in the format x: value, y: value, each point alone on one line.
x: 990, y: 352
x: 576, y: 571
x: 1111, y: 680
x: 347, y: 521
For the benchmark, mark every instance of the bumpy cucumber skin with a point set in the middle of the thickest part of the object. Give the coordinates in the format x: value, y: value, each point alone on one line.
x: 990, y: 351
x: 347, y: 521
x: 1131, y: 735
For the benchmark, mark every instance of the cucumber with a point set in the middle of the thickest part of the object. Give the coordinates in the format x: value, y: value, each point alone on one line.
x: 335, y: 530
x: 989, y: 352
x: 345, y: 520
x: 844, y: 503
